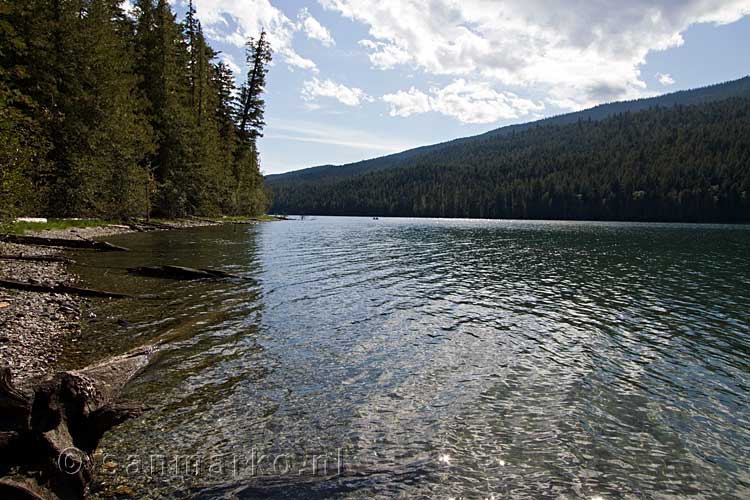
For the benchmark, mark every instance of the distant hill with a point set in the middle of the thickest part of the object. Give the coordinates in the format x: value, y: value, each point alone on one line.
x: 716, y: 92
x: 640, y: 148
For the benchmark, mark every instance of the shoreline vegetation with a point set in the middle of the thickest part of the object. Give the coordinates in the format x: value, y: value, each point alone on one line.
x: 34, y: 326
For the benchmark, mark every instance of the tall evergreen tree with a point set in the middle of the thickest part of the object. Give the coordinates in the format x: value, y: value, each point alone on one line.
x: 23, y: 146
x: 250, y: 194
x: 258, y: 56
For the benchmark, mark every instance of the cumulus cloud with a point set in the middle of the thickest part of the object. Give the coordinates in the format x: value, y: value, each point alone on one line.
x: 468, y: 102
x: 314, y: 30
x: 407, y: 103
x: 350, y: 96
x: 665, y: 79
x: 252, y: 16
x: 578, y: 56
x: 385, y: 56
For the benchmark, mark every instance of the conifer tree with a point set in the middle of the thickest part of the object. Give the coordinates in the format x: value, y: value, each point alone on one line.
x: 258, y: 55
x: 249, y: 192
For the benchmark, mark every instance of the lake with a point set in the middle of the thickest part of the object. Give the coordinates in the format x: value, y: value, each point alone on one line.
x: 431, y: 358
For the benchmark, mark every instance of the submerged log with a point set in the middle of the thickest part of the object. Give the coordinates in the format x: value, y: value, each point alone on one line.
x: 180, y: 272
x: 62, y: 242
x: 38, y: 258
x: 46, y: 449
x: 61, y: 288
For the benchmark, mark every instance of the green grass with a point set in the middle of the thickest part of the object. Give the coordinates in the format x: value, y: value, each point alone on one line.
x: 22, y: 227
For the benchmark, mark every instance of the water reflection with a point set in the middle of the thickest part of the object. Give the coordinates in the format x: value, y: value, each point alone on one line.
x: 443, y: 358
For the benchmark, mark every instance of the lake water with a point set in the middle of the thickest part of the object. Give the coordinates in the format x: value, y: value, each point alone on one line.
x: 408, y: 358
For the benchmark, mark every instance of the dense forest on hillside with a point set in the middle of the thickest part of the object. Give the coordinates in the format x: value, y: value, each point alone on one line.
x: 720, y: 91
x: 667, y: 163
x: 110, y: 114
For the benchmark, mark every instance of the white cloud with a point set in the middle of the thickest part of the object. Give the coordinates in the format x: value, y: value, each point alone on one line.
x: 578, y: 56
x: 314, y: 30
x: 385, y: 56
x: 408, y: 103
x: 468, y: 102
x: 252, y: 16
x: 665, y: 79
x: 350, y: 96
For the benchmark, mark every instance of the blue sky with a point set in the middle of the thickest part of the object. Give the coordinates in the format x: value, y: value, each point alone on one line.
x: 355, y: 79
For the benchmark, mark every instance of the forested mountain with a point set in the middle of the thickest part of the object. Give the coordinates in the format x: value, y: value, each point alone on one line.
x: 109, y: 114
x: 665, y: 163
x: 736, y: 88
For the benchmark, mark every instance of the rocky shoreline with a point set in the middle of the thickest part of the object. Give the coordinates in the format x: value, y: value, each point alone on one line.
x: 33, y: 326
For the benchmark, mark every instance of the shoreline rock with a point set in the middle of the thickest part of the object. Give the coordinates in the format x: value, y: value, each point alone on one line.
x: 34, y: 325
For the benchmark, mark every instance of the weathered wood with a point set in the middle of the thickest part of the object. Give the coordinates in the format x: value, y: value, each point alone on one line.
x: 150, y: 224
x: 10, y: 490
x: 61, y: 242
x: 15, y: 406
x: 38, y: 258
x: 180, y: 272
x: 61, y: 288
x: 66, y: 417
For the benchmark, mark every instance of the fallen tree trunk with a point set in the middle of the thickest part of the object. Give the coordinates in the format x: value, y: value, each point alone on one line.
x: 38, y: 258
x: 62, y: 242
x: 61, y: 288
x: 180, y: 272
x: 149, y: 225
x: 46, y: 448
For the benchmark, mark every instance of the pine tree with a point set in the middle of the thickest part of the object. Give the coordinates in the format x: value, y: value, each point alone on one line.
x: 120, y: 137
x: 258, y: 55
x: 250, y: 197
x: 23, y: 146
x: 162, y: 63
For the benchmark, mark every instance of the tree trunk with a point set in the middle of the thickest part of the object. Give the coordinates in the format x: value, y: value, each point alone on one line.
x: 60, y: 288
x: 61, y: 242
x: 180, y: 272
x: 48, y: 436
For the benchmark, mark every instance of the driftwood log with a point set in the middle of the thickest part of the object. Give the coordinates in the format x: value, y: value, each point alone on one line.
x: 180, y: 273
x: 61, y: 242
x: 61, y: 288
x: 144, y: 225
x: 49, y: 433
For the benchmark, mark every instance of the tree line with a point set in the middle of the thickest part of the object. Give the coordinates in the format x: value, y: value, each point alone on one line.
x: 105, y: 113
x: 667, y: 163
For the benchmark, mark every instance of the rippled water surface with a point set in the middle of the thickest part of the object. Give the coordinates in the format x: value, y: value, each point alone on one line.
x: 405, y: 358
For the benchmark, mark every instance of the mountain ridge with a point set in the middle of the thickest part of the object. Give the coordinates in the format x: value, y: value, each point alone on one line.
x: 600, y: 112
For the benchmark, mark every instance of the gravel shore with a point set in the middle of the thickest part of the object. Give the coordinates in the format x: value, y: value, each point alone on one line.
x: 34, y: 325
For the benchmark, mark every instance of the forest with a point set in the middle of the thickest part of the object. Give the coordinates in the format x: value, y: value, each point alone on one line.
x: 114, y: 114
x: 677, y: 162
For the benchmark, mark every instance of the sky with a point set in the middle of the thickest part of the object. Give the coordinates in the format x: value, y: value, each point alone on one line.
x: 357, y: 79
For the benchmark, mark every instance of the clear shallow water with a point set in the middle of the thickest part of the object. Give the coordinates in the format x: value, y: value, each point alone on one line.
x: 433, y: 359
